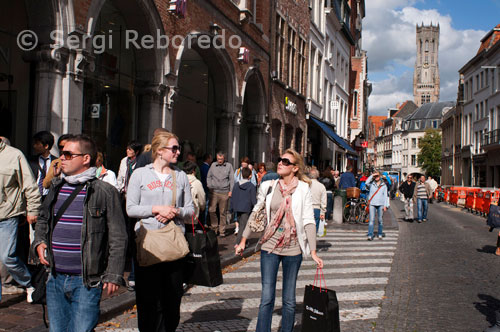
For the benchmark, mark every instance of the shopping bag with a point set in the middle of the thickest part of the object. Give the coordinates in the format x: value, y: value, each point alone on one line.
x: 202, y: 266
x: 494, y: 217
x: 321, y: 308
x: 321, y: 228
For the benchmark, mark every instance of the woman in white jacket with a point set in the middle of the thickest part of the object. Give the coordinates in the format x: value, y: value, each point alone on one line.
x: 289, y: 235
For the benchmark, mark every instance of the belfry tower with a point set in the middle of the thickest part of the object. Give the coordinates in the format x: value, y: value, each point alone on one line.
x: 426, y: 73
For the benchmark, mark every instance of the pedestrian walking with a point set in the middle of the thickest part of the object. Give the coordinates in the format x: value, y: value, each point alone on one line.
x: 329, y: 183
x: 290, y: 235
x: 378, y: 202
x: 407, y: 188
x: 424, y: 193
x: 197, y: 192
x: 433, y: 184
x: 19, y: 195
x: 40, y: 163
x: 151, y: 188
x: 127, y: 166
x: 220, y: 182
x: 347, y: 180
x: 270, y: 172
x: 245, y: 162
x: 104, y: 174
x: 319, y: 197
x: 54, y: 170
x: 243, y: 199
x: 260, y: 174
x: 81, y: 234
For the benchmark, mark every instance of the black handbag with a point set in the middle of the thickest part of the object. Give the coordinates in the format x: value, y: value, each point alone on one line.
x: 493, y: 217
x: 321, y: 308
x: 202, y: 264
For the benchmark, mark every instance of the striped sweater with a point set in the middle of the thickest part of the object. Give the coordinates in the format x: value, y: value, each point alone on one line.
x: 66, y: 238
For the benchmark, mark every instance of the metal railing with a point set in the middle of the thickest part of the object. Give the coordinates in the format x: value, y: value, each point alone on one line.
x: 492, y: 137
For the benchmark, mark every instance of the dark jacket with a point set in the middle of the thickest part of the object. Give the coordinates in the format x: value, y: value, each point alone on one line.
x: 328, y: 183
x: 270, y: 175
x: 104, y: 232
x: 35, y: 164
x: 144, y: 159
x: 243, y: 197
x: 347, y: 180
x: 407, y: 189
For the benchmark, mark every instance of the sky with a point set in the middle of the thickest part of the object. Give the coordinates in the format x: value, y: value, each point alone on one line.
x: 389, y: 38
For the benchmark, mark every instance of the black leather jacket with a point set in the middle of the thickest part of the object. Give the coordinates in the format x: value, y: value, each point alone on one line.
x: 104, y: 233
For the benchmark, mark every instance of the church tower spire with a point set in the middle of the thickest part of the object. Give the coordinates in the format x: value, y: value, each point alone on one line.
x: 426, y: 73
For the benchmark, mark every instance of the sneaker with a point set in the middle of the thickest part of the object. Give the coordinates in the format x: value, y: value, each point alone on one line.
x: 131, y: 285
x: 369, y: 238
x: 29, y: 291
x: 11, y: 290
x: 424, y: 220
x: 380, y: 237
x: 419, y: 221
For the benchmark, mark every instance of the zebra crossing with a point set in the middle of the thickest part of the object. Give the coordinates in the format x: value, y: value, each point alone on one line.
x: 357, y: 269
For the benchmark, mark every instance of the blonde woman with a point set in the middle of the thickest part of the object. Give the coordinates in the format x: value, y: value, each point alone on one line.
x: 149, y: 196
x: 290, y: 235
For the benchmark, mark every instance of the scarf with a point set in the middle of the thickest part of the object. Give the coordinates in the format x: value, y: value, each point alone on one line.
x: 82, y: 177
x: 284, y: 214
x: 130, y: 169
x: 100, y: 171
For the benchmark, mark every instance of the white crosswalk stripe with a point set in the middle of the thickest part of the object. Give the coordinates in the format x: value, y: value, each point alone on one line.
x: 312, y: 272
x: 339, y: 261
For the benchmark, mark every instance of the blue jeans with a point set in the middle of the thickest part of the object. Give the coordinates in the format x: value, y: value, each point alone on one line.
x: 329, y: 206
x: 422, y: 206
x: 269, y: 265
x: 380, y: 211
x: 8, y: 245
x: 71, y: 306
x: 317, y: 213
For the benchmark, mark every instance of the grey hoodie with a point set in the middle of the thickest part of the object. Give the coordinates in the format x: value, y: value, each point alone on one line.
x: 145, y: 190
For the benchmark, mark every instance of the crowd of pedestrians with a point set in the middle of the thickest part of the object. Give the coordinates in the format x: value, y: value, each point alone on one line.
x: 84, y: 219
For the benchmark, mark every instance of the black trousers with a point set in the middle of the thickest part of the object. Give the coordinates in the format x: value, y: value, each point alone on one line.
x: 159, y: 291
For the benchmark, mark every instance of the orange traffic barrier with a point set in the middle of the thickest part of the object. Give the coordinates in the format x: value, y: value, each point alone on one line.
x: 454, y: 196
x: 470, y: 201
x: 486, y: 202
x: 479, y: 202
x: 462, y: 194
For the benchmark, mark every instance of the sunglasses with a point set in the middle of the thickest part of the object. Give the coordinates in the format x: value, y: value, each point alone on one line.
x: 285, y: 162
x: 68, y: 155
x: 173, y: 148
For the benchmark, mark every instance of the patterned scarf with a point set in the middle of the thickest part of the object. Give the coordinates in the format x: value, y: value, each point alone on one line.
x: 284, y: 211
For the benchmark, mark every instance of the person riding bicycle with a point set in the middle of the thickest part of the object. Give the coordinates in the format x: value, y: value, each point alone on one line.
x: 378, y: 202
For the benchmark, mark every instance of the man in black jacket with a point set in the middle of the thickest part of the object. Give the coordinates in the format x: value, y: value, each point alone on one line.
x: 86, y: 247
x: 40, y: 163
x: 407, y: 188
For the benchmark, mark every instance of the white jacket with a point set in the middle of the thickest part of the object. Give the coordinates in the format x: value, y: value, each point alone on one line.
x: 198, y: 195
x: 302, y: 209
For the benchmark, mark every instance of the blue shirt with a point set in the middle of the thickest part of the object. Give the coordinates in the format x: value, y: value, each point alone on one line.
x: 204, y: 172
x: 347, y: 180
x: 381, y: 198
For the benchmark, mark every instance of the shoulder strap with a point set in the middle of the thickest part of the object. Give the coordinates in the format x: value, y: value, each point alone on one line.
x: 374, y: 195
x: 174, y: 188
x: 67, y: 202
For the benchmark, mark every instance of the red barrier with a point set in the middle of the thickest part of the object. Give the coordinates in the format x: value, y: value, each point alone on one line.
x: 470, y: 201
x: 479, y: 202
x: 454, y: 196
x: 486, y: 202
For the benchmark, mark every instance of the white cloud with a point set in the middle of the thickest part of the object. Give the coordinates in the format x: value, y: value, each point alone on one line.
x: 389, y: 37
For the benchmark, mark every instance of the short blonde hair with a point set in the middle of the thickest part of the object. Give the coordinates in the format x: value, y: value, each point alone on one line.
x: 299, y: 162
x: 161, y: 141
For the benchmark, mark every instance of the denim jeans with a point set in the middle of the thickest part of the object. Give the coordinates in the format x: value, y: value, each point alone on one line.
x: 269, y: 265
x: 8, y: 256
x: 317, y: 214
x: 380, y: 211
x: 329, y: 205
x: 71, y: 306
x: 422, y: 207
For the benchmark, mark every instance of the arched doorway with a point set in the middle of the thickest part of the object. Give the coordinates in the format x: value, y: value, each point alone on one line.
x: 204, y: 105
x: 119, y: 93
x: 16, y: 87
x: 252, y: 136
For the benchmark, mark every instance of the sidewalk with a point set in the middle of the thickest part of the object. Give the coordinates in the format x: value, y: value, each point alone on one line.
x: 18, y: 315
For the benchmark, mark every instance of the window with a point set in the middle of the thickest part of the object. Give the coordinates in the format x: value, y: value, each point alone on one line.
x: 280, y: 45
x: 476, y: 112
x: 434, y: 124
x: 413, y: 143
x: 413, y: 160
x: 302, y: 64
x: 482, y: 79
x: 291, y: 55
x: 477, y: 82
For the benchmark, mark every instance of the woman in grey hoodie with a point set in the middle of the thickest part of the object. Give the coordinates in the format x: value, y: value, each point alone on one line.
x: 149, y: 196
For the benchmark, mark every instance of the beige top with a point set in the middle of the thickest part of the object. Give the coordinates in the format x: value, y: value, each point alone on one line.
x: 294, y: 248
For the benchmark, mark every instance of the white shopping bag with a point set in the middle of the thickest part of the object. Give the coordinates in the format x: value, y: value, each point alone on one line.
x: 321, y: 228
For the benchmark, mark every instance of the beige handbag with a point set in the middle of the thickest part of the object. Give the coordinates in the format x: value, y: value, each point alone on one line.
x: 166, y: 244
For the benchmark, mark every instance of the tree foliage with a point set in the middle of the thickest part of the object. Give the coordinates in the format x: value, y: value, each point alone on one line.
x: 429, y: 157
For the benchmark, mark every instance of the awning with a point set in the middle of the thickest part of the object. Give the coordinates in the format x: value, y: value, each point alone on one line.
x: 328, y: 131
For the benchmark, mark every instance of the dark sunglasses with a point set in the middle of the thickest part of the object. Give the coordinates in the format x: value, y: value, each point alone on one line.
x: 173, y: 148
x: 285, y: 161
x: 68, y: 155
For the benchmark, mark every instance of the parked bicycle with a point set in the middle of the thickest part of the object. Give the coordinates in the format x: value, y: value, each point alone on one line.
x: 356, y: 208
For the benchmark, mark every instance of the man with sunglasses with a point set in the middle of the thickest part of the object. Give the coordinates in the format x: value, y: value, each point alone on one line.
x: 81, y: 234
x: 407, y: 188
x: 220, y: 182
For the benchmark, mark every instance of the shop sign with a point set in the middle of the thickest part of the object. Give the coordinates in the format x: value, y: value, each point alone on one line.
x: 290, y: 106
x: 364, y: 144
x: 178, y: 7
x: 244, y: 55
x: 95, y: 111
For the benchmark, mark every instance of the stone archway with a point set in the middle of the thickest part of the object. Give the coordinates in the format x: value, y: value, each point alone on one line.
x: 252, y: 132
x: 203, y: 112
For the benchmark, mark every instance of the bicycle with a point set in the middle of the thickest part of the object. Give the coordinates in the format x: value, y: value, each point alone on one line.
x: 355, y: 211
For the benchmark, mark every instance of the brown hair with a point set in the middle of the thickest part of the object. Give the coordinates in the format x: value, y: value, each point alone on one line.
x: 160, y: 141
x: 299, y: 162
x: 87, y: 146
x: 245, y: 160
